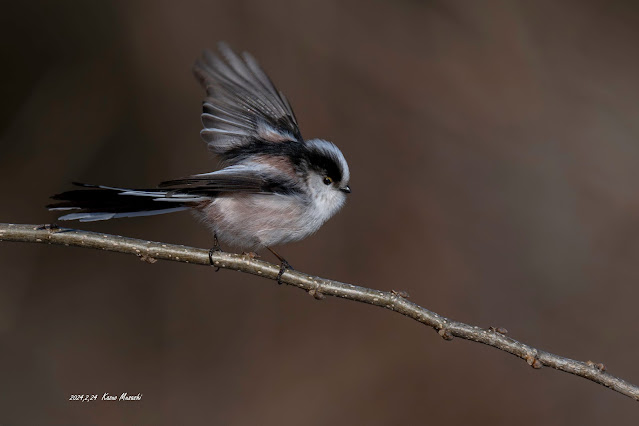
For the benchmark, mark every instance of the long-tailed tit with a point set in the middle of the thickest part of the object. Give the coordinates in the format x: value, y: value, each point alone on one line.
x: 275, y: 186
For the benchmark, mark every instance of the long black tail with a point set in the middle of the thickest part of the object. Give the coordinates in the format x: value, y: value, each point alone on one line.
x: 96, y: 202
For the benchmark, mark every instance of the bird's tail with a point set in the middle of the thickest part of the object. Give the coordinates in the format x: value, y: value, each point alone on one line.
x: 97, y: 202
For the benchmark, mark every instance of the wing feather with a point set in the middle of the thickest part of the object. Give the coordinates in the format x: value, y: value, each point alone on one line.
x: 238, y: 178
x: 242, y: 105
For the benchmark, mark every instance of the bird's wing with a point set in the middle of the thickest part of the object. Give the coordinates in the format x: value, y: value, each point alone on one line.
x: 242, y: 105
x: 237, y: 178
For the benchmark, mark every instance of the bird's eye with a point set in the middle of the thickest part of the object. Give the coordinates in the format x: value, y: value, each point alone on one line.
x: 328, y: 180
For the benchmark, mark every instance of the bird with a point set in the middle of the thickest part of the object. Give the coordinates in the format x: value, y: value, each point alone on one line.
x: 273, y: 186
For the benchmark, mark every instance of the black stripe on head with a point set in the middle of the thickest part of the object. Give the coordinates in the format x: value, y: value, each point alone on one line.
x: 325, y: 163
x: 320, y: 156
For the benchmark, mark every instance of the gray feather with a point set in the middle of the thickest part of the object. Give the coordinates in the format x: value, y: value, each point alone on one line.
x: 242, y: 105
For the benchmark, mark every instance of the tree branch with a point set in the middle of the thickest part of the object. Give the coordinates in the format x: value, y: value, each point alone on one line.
x: 318, y: 287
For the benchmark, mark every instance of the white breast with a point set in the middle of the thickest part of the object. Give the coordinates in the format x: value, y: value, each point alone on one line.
x: 250, y: 221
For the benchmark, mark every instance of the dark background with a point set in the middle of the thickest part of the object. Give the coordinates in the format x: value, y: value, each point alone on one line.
x: 494, y: 155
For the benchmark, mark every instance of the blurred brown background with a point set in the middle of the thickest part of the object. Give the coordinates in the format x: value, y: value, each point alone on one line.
x: 494, y: 153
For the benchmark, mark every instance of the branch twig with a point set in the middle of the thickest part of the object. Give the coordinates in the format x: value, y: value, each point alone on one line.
x: 318, y: 287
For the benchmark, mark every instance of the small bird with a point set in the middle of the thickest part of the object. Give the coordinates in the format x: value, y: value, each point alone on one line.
x: 274, y: 187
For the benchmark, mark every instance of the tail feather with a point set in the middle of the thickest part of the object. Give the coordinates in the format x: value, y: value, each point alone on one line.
x: 96, y: 202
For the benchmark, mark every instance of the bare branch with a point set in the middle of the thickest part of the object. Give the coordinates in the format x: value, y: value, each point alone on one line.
x: 318, y: 287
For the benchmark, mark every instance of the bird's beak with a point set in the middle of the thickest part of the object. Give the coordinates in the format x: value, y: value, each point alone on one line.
x: 346, y: 189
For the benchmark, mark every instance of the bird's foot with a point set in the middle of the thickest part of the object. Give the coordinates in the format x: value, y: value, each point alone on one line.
x: 216, y: 248
x: 284, y: 266
x: 48, y: 226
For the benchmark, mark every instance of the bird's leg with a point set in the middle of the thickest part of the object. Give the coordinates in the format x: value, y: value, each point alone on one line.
x: 216, y: 247
x: 284, y: 265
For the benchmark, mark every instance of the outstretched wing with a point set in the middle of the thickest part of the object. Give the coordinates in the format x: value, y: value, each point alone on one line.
x: 243, y: 106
